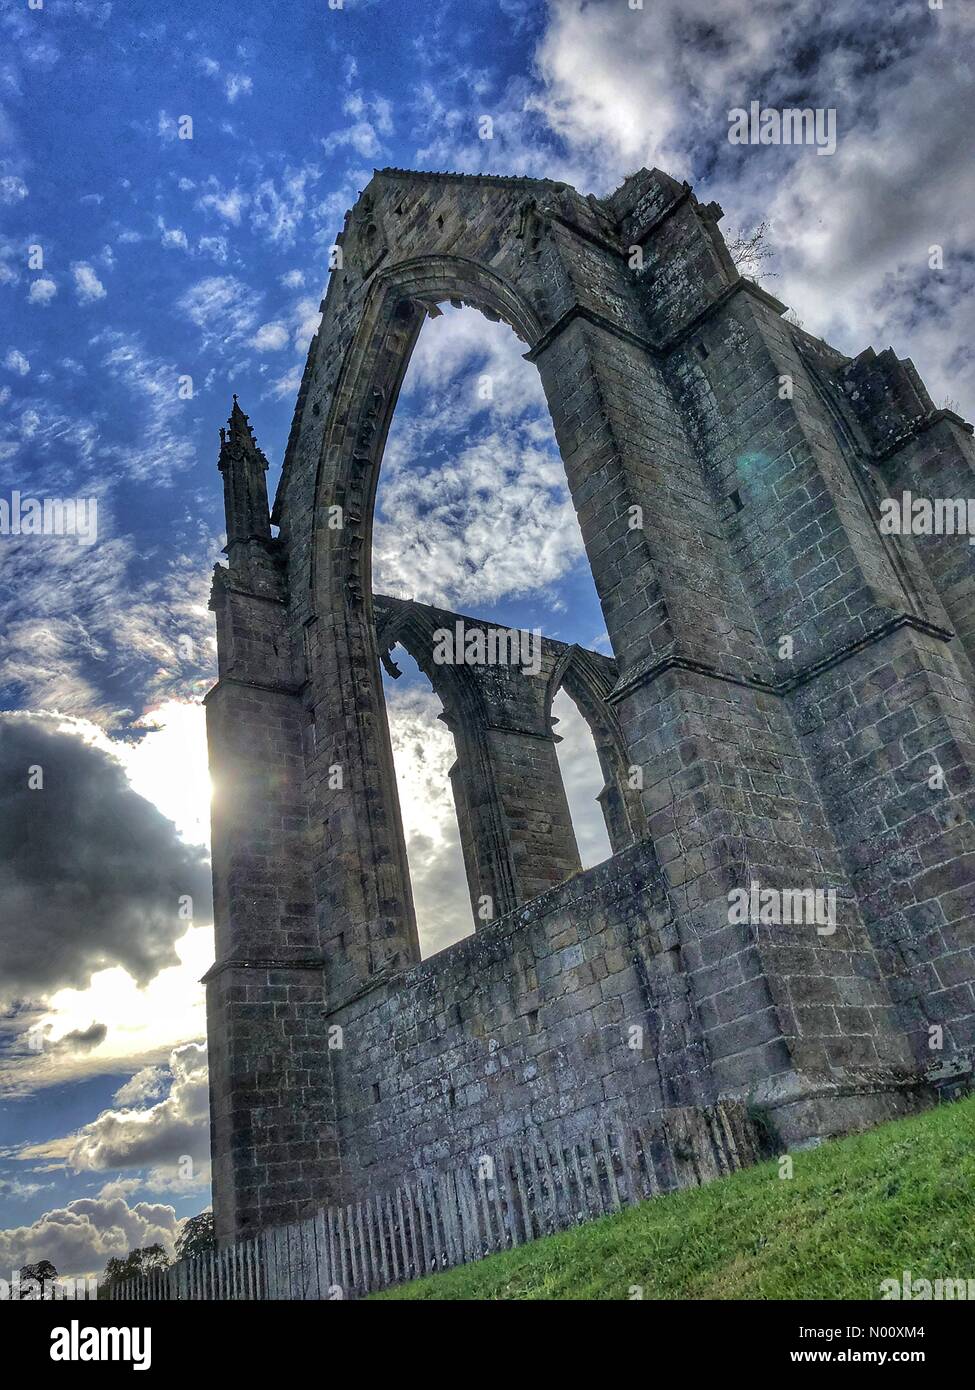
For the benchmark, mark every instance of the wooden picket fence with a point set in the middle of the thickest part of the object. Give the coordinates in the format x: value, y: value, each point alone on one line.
x: 436, y: 1220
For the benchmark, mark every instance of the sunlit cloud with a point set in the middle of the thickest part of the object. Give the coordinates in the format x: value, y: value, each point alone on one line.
x: 88, y: 287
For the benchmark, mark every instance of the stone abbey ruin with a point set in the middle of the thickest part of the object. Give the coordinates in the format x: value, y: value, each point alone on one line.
x: 789, y: 705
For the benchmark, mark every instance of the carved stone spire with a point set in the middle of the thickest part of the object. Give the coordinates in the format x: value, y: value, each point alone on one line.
x: 249, y: 542
x: 243, y: 466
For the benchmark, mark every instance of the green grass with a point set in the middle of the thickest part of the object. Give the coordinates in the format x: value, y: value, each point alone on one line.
x: 855, y: 1211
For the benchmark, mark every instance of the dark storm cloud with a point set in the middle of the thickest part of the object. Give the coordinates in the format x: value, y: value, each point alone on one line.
x: 91, y: 874
x: 83, y: 1039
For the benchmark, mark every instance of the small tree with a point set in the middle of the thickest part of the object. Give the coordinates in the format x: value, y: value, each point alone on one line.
x: 750, y: 250
x: 196, y: 1237
x: 43, y: 1274
x: 136, y: 1264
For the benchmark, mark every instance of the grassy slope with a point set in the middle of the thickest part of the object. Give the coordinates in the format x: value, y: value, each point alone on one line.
x: 855, y: 1212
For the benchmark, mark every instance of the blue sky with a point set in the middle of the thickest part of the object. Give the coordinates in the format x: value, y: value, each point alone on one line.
x: 165, y: 259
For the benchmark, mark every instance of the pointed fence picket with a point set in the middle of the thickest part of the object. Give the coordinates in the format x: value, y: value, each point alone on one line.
x: 437, y: 1219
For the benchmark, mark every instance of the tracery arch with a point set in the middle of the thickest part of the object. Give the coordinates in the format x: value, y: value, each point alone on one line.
x: 588, y: 679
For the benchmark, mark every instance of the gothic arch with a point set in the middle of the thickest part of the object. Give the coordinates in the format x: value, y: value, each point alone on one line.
x: 364, y: 399
x: 368, y: 389
x: 412, y: 626
x: 588, y: 681
x: 484, y: 840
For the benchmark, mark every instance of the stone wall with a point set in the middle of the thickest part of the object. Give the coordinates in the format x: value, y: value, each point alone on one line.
x: 521, y: 1025
x: 789, y: 705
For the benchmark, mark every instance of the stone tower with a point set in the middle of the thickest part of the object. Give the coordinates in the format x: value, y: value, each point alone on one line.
x: 789, y: 705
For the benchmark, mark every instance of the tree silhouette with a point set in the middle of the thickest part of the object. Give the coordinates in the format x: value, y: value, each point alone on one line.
x: 136, y: 1264
x: 43, y: 1273
x: 196, y: 1237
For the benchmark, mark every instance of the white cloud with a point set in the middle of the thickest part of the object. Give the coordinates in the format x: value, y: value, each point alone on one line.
x: 161, y: 449
x: 423, y: 752
x: 237, y: 84
x: 142, y: 1023
x: 270, y: 337
x: 80, y: 1238
x: 361, y: 137
x: 146, y: 1084
x: 227, y: 203
x: 854, y: 239
x: 15, y: 361
x: 286, y: 386
x: 164, y: 1143
x: 276, y: 204
x: 168, y: 767
x: 12, y: 189
x: 492, y: 521
x: 11, y: 260
x: 68, y: 611
x: 627, y: 87
x: 463, y: 343
x: 42, y: 291
x: 370, y: 120
x: 307, y: 316
x: 451, y: 133
x: 583, y: 780
x: 166, y: 127
x: 88, y: 287
x: 127, y: 915
x: 221, y: 306
x: 473, y: 502
x: 172, y: 237
x: 167, y: 764
x: 215, y: 246
x: 279, y: 206
x: 118, y: 1187
x: 18, y: 1190
x: 155, y: 1137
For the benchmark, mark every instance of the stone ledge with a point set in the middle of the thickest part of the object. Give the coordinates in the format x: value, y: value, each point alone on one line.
x: 650, y: 671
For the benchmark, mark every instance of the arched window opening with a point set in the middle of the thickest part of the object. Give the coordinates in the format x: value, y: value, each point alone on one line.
x: 580, y: 688
x: 423, y: 755
x: 473, y: 512
x: 473, y: 516
x: 584, y: 779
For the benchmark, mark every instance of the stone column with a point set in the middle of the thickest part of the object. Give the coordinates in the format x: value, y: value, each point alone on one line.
x: 788, y: 1013
x: 271, y: 1113
x: 511, y: 805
